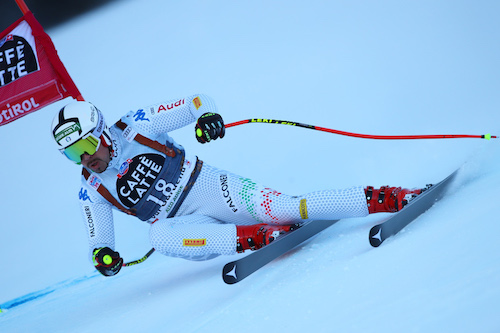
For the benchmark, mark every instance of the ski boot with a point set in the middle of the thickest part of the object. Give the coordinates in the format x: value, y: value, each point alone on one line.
x: 253, y: 237
x: 389, y: 199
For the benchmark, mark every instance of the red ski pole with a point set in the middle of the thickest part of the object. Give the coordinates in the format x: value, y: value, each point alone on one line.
x: 363, y: 136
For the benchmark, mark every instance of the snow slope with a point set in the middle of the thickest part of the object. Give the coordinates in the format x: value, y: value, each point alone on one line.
x: 384, y: 67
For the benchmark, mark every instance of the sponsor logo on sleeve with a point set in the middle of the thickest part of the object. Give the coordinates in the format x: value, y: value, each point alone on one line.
x: 83, y: 195
x: 197, y: 102
x: 166, y: 107
x: 90, y: 220
x: 140, y: 115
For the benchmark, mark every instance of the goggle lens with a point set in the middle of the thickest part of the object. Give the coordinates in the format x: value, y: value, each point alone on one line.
x: 88, y: 145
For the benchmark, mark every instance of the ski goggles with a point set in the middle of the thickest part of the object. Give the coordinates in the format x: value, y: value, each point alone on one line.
x: 88, y: 144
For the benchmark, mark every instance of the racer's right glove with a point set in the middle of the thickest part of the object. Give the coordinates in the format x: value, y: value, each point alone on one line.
x: 107, y: 261
x: 209, y: 126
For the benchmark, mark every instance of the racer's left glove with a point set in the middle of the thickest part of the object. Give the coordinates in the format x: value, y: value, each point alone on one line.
x: 107, y: 261
x: 209, y: 126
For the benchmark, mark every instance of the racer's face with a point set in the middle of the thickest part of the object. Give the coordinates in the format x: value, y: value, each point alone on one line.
x: 99, y: 161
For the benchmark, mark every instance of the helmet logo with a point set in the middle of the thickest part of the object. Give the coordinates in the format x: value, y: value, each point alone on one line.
x: 66, y: 132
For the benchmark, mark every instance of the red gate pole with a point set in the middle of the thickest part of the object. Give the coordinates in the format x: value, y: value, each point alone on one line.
x: 22, y: 6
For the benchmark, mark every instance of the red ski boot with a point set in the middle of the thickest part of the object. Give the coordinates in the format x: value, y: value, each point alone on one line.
x: 253, y: 237
x: 389, y: 199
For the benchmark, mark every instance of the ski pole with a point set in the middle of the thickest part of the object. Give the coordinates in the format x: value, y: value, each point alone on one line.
x: 138, y: 261
x: 357, y: 135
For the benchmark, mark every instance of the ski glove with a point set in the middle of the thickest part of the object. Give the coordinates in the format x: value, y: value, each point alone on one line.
x: 107, y: 261
x: 209, y: 126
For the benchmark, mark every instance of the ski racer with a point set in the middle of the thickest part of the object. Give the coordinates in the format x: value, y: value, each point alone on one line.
x: 196, y: 211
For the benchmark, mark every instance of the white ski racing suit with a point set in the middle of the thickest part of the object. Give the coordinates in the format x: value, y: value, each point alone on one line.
x: 193, y: 208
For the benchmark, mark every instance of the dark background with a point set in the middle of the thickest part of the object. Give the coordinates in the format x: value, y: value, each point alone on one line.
x: 49, y: 13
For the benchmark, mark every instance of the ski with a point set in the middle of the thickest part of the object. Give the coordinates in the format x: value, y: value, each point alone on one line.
x: 416, y: 207
x: 237, y: 270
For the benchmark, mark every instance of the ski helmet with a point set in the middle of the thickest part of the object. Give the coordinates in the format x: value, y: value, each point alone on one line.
x: 79, y: 128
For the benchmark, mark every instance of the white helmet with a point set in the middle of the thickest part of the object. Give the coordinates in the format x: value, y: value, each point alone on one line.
x: 80, y: 128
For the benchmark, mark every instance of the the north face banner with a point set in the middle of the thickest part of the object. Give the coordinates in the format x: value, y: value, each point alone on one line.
x: 31, y: 74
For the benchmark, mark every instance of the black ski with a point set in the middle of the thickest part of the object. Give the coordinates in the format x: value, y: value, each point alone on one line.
x: 236, y: 271
x: 410, y: 212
